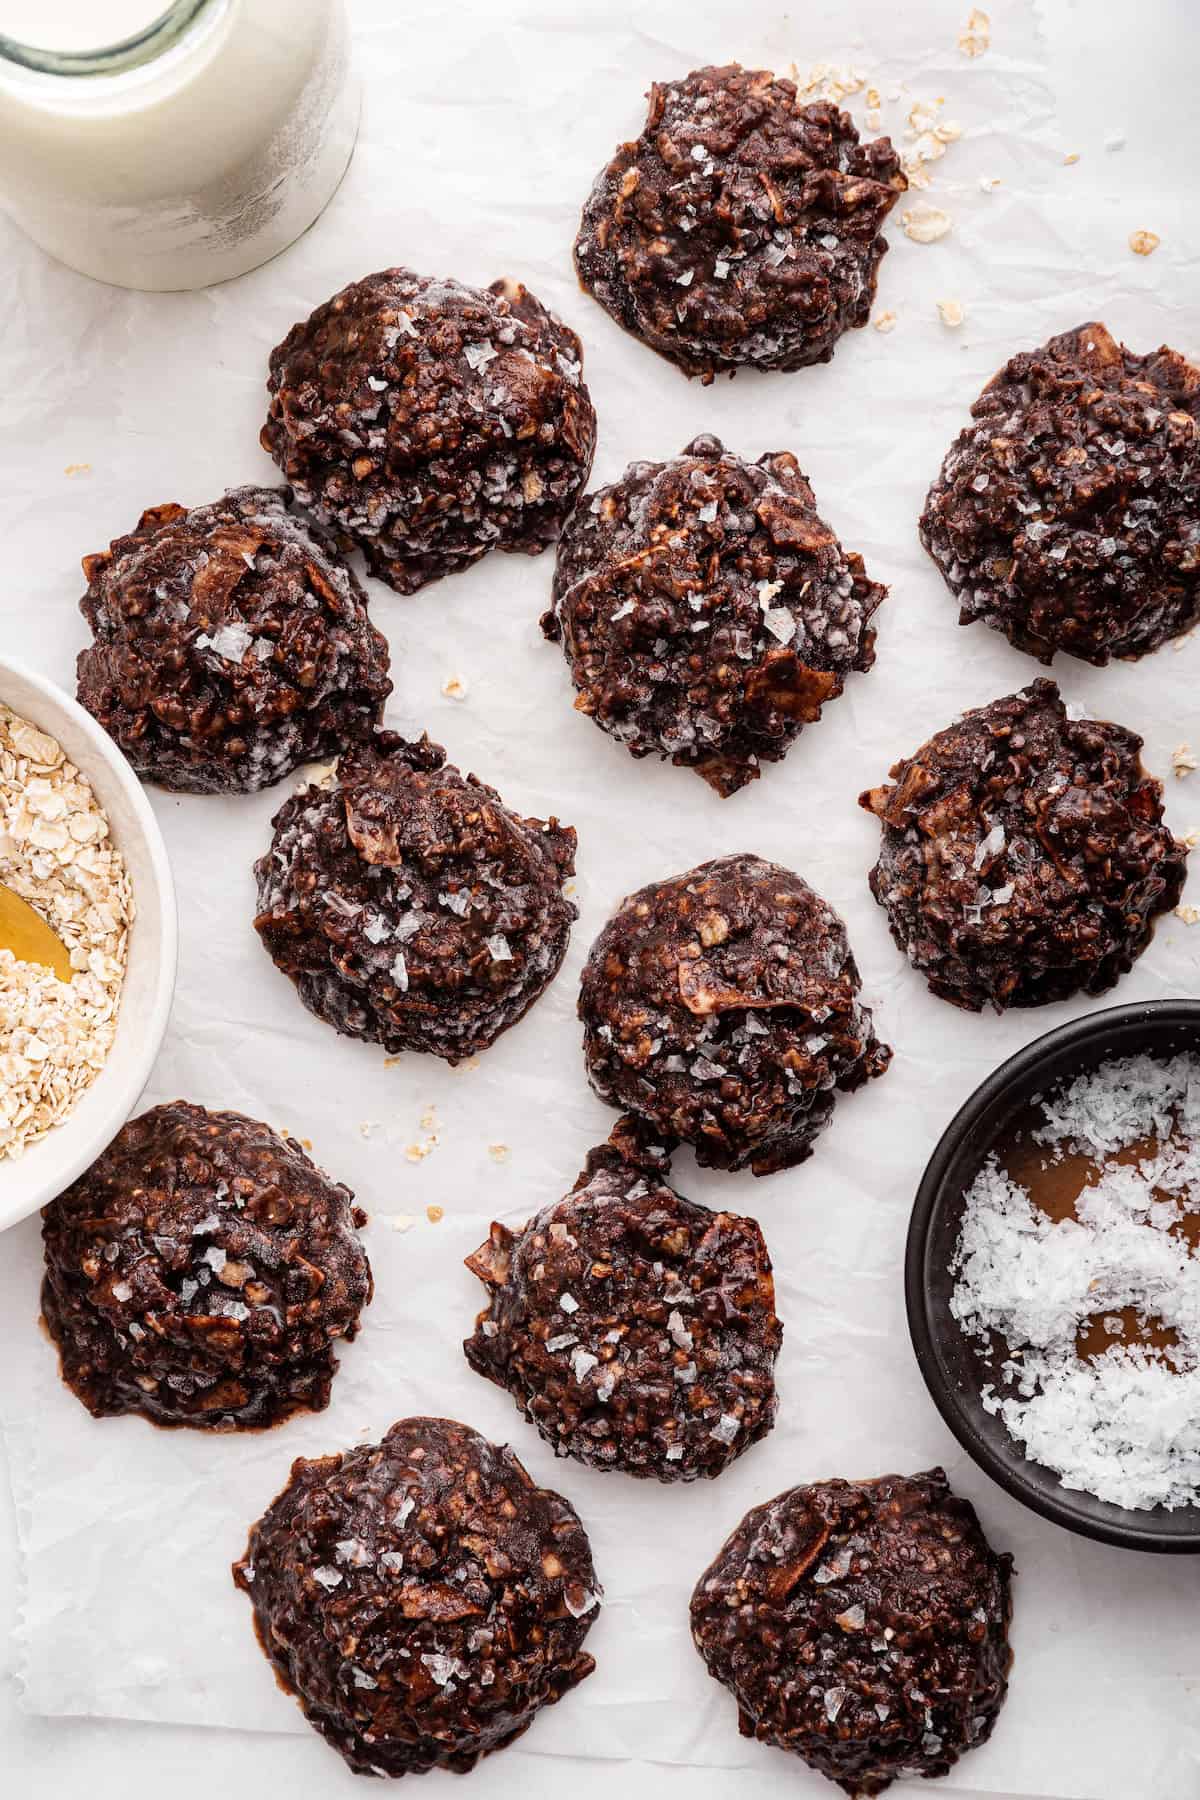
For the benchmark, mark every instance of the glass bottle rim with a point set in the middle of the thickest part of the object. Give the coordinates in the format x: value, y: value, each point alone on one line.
x: 141, y: 47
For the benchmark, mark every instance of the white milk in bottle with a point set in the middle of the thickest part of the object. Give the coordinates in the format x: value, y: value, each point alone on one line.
x: 172, y: 146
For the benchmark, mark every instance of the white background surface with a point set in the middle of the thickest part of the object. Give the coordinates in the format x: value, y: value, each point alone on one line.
x: 484, y: 128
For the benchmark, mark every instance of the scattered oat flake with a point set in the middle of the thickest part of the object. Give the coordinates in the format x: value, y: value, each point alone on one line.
x: 951, y: 313
x: 1144, y: 243
x: 435, y: 1214
x: 401, y: 1221
x: 1191, y: 838
x: 827, y: 81
x: 925, y: 224
x: 976, y: 35
x: 1072, y: 156
x: 455, y: 688
x: 499, y: 1152
x: 1183, y: 759
x: 884, y: 321
x: 73, y: 469
x: 1189, y: 914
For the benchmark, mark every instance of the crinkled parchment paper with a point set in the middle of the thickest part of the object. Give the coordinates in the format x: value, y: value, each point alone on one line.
x: 485, y: 125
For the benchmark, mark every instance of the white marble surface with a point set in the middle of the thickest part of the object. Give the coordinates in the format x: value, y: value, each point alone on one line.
x: 83, y: 377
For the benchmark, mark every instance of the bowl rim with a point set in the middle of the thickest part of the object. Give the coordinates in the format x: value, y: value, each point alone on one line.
x: 1129, y: 1529
x: 124, y: 1095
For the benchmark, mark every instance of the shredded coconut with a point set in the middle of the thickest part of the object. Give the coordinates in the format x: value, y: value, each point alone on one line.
x: 1124, y: 1423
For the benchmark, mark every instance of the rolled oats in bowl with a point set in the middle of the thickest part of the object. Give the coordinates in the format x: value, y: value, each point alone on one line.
x: 56, y: 854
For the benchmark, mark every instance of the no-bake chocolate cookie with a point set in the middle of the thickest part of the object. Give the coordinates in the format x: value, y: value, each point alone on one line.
x: 862, y: 1625
x: 1024, y: 855
x: 421, y: 1598
x: 741, y: 227
x: 410, y: 906
x: 634, y: 1328
x: 1068, y: 515
x: 201, y: 1271
x: 723, y: 1007
x: 428, y: 423
x: 231, y: 645
x: 707, y: 612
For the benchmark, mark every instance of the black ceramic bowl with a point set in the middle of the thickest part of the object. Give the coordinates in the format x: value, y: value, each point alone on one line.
x: 951, y: 1362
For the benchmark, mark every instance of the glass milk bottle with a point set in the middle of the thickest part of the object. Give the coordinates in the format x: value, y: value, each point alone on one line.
x: 170, y: 146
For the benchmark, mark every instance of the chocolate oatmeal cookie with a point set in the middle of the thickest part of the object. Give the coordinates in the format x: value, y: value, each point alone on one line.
x: 862, y: 1625
x: 634, y: 1328
x: 200, y: 1273
x: 420, y: 1597
x: 410, y: 906
x: 231, y: 645
x: 707, y: 612
x: 723, y: 1007
x: 428, y: 423
x: 1024, y: 855
x: 1068, y: 516
x: 742, y: 227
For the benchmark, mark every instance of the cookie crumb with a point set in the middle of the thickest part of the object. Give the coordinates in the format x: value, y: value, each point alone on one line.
x: 499, y: 1152
x: 1189, y: 914
x: 884, y: 321
x: 401, y: 1221
x: 1183, y: 760
x: 1071, y: 157
x: 951, y: 313
x: 989, y: 183
x: 435, y: 1214
x: 73, y: 469
x: 1144, y: 243
x: 455, y: 687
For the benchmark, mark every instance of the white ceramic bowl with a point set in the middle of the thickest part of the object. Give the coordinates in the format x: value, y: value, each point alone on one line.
x: 47, y: 1167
